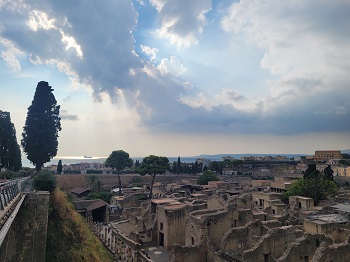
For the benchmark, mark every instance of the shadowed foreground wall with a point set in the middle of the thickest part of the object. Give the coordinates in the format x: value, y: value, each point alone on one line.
x: 26, y: 240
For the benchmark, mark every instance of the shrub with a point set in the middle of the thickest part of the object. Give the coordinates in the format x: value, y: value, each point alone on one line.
x: 69, y: 171
x: 94, y: 171
x: 13, y: 175
x: 206, y: 177
x: 137, y: 181
x: 45, y: 181
x: 105, y: 196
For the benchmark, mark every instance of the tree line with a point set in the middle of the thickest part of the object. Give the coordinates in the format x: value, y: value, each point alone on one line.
x: 10, y: 153
x: 40, y: 144
x: 314, y: 184
x: 40, y: 132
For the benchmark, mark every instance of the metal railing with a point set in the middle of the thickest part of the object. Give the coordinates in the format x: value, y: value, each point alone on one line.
x: 11, y: 200
x: 10, y: 189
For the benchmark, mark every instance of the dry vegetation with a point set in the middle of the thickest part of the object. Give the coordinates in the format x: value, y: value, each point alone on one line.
x: 68, y: 182
x: 69, y: 237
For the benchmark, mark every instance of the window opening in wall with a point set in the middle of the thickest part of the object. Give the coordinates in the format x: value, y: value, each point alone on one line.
x: 192, y: 241
x: 161, y: 226
x: 306, y: 259
x: 273, y: 212
x: 299, y: 204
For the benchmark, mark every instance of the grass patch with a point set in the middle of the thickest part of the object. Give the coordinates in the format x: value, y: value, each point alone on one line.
x: 69, y: 238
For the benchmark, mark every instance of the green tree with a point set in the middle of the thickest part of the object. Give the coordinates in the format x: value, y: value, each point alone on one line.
x: 174, y: 167
x: 206, y: 177
x: 328, y: 172
x: 317, y: 187
x: 221, y: 167
x: 98, y: 186
x: 40, y: 133
x: 91, y: 181
x: 137, y: 181
x: 311, y: 169
x: 119, y: 160
x: 344, y: 162
x: 196, y: 168
x: 45, y: 181
x: 179, y: 166
x: 215, y: 166
x: 153, y: 165
x: 10, y: 153
x: 105, y: 196
x: 59, y: 167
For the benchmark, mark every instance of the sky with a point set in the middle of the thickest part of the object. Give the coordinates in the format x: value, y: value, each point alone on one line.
x: 184, y: 77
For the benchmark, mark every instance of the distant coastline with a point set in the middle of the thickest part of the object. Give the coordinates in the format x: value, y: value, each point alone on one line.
x: 67, y: 160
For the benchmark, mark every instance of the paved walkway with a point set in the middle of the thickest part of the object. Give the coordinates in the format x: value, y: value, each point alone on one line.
x: 158, y: 254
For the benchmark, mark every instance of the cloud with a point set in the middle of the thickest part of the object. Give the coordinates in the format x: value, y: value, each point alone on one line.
x: 62, y: 33
x: 306, y: 53
x: 65, y: 116
x: 171, y: 66
x: 9, y: 54
x: 39, y: 20
x: 152, y: 52
x: 228, y: 97
x: 11, y: 60
x: 67, y: 99
x: 181, y: 21
x: 304, y: 45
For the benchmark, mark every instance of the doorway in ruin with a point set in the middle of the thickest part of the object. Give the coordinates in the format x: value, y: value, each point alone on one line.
x: 161, y: 239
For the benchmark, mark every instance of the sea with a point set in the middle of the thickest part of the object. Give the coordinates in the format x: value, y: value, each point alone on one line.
x: 67, y: 160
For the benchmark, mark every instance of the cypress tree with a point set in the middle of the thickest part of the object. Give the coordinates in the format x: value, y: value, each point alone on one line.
x: 59, y: 167
x: 10, y: 153
x: 40, y: 133
x: 179, y: 166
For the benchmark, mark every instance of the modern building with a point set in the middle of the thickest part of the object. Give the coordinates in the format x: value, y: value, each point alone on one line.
x: 325, y: 155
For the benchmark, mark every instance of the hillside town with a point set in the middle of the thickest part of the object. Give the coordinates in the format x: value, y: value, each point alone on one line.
x: 242, y: 216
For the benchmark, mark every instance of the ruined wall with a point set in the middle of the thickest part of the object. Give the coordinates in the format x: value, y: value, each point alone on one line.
x: 340, y: 235
x: 214, y: 202
x: 334, y: 253
x: 272, y: 245
x: 26, y: 239
x: 263, y: 200
x: 180, y: 253
x: 172, y: 224
x: 241, y: 201
x: 303, y: 203
x: 328, y: 229
x: 195, y: 232
x: 237, y: 239
x: 219, y: 224
x: 303, y: 249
